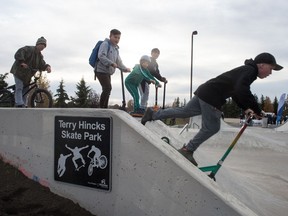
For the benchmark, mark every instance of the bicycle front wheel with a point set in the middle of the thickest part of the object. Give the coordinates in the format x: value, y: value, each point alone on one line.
x: 41, y: 98
x: 6, y: 98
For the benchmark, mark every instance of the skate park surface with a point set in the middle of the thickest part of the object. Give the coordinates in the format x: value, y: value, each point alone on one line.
x: 149, y: 177
x: 283, y: 127
x: 256, y: 169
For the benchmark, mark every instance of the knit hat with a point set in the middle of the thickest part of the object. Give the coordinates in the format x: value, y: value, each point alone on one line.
x: 145, y: 58
x: 41, y: 40
x: 267, y: 58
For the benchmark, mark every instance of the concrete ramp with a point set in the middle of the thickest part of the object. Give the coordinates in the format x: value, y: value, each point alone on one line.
x: 282, y: 128
x: 146, y: 176
x: 196, y: 123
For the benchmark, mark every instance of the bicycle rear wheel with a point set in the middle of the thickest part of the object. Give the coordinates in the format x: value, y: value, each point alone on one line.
x: 6, y: 98
x: 41, y: 98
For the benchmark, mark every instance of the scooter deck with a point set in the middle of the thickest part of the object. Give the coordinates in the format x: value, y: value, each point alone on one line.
x: 138, y: 115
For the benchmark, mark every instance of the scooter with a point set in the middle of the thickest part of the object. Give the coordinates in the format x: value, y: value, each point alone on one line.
x: 215, y: 168
x: 156, y: 107
x: 164, y: 95
x: 123, y: 107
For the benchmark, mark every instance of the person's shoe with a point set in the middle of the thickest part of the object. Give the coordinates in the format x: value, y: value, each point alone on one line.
x: 147, y: 116
x: 188, y: 154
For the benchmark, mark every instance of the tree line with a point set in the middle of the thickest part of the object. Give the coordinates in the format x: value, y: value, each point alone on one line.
x: 86, y: 97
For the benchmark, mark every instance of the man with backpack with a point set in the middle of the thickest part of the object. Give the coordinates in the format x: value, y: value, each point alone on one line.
x: 107, y: 62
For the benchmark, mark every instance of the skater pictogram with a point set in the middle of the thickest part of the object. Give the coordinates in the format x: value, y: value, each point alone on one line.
x: 77, y: 155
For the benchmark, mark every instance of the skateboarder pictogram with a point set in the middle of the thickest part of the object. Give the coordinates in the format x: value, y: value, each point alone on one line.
x: 77, y: 155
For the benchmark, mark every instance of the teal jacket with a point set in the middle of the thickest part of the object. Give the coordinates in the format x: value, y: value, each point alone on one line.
x: 139, y: 74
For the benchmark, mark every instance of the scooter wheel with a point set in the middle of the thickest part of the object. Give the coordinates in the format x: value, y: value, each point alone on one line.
x: 166, y: 139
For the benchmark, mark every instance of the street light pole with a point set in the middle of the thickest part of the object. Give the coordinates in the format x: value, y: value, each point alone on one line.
x: 193, y: 33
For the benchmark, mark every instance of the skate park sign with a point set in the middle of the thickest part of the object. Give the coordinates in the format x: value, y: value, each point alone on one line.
x: 82, y: 154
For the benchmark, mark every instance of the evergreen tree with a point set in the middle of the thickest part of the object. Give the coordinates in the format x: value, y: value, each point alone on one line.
x: 3, y: 83
x: 262, y: 102
x: 82, y: 95
x: 267, y: 107
x: 275, y: 105
x: 231, y: 109
x: 176, y: 102
x: 61, y: 96
x: 256, y: 99
x: 94, y: 99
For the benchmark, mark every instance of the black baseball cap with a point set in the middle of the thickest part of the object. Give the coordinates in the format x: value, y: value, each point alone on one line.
x: 267, y: 58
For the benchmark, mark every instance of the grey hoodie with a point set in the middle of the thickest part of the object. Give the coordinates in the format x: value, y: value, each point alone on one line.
x: 106, y: 59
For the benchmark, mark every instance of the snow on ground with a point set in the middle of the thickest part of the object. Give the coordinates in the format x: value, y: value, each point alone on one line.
x: 255, y: 171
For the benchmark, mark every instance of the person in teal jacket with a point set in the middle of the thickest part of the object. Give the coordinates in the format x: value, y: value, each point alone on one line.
x: 139, y: 73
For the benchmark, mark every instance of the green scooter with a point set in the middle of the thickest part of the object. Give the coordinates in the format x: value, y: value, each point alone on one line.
x: 214, y: 168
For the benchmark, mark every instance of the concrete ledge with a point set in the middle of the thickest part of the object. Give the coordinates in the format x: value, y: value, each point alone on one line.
x: 148, y: 176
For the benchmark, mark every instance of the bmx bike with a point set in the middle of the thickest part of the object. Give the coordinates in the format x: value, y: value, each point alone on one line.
x: 98, y: 162
x: 37, y: 97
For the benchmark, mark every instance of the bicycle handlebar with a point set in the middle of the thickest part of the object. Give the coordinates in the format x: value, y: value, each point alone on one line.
x: 34, y: 71
x: 37, y: 75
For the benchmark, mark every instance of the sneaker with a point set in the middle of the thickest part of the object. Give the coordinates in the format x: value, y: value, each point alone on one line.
x: 147, y: 116
x: 188, y: 154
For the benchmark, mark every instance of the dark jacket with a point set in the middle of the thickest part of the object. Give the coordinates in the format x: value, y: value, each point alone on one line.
x: 32, y: 58
x: 234, y: 83
x: 154, y: 69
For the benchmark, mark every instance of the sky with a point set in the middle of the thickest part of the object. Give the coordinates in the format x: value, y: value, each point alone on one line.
x: 228, y: 33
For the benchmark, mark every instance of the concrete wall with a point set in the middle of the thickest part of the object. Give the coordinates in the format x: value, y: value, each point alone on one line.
x: 148, y: 176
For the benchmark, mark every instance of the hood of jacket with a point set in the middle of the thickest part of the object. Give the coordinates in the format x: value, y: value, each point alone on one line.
x: 250, y: 62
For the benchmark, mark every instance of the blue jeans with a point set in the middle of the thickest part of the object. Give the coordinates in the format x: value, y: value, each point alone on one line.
x: 19, y: 89
x: 144, y: 95
x: 210, y: 119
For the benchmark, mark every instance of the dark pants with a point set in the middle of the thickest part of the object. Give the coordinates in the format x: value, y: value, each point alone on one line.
x: 210, y: 119
x: 105, y: 81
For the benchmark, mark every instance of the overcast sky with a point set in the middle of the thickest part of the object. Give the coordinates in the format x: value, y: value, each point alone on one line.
x: 228, y: 33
